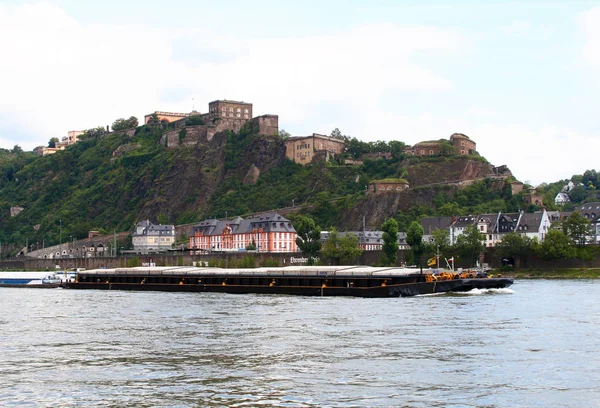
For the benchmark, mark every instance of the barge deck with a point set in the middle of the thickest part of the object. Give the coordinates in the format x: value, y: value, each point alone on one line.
x: 359, y: 281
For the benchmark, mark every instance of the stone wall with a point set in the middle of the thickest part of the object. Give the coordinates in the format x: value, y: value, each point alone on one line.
x: 89, y: 247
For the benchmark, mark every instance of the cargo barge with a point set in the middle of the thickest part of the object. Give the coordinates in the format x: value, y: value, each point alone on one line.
x: 359, y: 281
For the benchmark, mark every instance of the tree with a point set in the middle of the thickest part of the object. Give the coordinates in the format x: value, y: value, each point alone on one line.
x: 93, y: 133
x: 577, y: 228
x: 53, y: 141
x: 557, y: 245
x: 578, y: 194
x: 309, y: 237
x: 414, y: 238
x: 337, y: 134
x: 284, y: 135
x: 17, y: 150
x: 469, y: 244
x: 440, y: 239
x: 515, y: 245
x: 341, y: 249
x: 123, y: 124
x: 390, y: 241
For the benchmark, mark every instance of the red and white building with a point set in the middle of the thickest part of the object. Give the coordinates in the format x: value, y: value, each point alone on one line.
x: 268, y: 233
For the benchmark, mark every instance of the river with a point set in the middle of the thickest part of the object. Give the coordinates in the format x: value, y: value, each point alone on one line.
x: 534, y: 345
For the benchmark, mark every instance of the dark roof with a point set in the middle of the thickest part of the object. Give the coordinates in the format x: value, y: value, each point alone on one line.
x: 271, y: 222
x: 430, y: 224
x: 465, y: 220
x: 153, y: 229
x: 530, y: 221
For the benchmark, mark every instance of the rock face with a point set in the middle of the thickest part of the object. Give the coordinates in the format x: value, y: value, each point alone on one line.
x: 452, y: 170
x: 252, y: 175
x: 198, y: 171
x: 455, y: 172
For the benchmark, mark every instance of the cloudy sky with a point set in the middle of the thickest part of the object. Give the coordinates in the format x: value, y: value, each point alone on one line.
x: 521, y: 78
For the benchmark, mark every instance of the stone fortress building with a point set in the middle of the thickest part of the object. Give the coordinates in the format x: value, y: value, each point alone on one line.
x: 460, y: 143
x: 302, y: 149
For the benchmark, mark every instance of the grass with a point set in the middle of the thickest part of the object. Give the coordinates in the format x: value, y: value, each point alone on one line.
x: 563, y: 273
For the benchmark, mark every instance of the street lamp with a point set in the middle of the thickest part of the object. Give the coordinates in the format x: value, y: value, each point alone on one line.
x: 60, y: 239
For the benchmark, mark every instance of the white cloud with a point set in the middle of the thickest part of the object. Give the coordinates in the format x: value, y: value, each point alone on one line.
x: 589, y: 22
x: 544, y: 154
x: 65, y: 75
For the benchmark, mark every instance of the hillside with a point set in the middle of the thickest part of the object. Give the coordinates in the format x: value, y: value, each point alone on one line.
x: 109, y: 182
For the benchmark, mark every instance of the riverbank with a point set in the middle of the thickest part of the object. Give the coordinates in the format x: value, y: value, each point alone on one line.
x: 562, y: 273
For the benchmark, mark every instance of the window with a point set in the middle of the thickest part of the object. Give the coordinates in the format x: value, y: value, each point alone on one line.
x: 462, y: 143
x: 245, y: 110
x: 245, y: 115
x: 462, y: 152
x: 431, y: 152
x: 231, y: 115
x: 239, y: 115
x: 230, y: 109
x: 239, y: 110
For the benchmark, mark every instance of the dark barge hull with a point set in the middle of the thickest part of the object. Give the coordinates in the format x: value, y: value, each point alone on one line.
x: 317, y: 284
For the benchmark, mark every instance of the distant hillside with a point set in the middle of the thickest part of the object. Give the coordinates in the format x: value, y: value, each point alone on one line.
x: 109, y: 182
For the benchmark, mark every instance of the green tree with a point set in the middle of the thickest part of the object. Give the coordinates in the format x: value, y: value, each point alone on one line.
x: 123, y: 124
x: 577, y: 228
x: 283, y: 134
x: 578, y: 194
x: 449, y: 209
x: 469, y: 244
x: 516, y: 246
x: 390, y: 241
x: 414, y: 238
x: 309, y: 237
x: 557, y: 245
x: 53, y: 141
x: 341, y: 249
x: 440, y: 239
x: 337, y: 134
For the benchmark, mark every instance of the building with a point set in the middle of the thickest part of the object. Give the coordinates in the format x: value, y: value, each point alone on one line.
x: 265, y: 233
x: 591, y: 212
x: 534, y: 225
x: 165, y: 116
x: 150, y: 237
x: 390, y: 185
x: 462, y: 144
x: 302, y: 149
x: 229, y: 109
x: 369, y: 240
x: 562, y: 198
x: 431, y: 224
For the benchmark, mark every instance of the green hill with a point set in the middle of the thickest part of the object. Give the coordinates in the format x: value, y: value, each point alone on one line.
x: 109, y: 181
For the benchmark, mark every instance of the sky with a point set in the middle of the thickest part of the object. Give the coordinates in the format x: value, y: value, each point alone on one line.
x: 520, y: 78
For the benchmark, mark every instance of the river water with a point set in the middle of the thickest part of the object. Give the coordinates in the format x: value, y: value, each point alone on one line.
x: 534, y: 345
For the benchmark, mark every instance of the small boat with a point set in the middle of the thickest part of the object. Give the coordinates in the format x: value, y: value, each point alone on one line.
x: 359, y: 281
x: 29, y: 280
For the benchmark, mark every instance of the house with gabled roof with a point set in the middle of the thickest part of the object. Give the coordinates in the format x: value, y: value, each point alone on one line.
x: 151, y: 237
x: 430, y: 224
x: 534, y: 225
x: 265, y: 233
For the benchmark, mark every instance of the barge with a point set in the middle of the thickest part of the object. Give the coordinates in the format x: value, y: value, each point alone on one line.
x: 359, y: 281
x: 29, y: 280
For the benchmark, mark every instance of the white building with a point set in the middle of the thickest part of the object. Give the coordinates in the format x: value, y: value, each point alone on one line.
x: 150, y: 237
